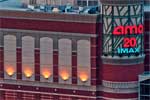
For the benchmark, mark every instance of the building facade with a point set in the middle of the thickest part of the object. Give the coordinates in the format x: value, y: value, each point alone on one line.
x: 75, y: 56
x: 50, y: 2
x: 63, y: 2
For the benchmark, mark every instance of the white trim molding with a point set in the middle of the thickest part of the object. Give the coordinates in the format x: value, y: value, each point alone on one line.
x: 111, y: 84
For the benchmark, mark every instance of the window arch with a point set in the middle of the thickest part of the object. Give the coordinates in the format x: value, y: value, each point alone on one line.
x: 28, y: 46
x: 10, y: 56
x: 83, y: 61
x: 46, y: 58
x: 65, y: 60
x: 83, y: 53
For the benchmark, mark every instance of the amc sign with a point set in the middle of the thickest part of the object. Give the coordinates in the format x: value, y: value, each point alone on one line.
x: 129, y: 43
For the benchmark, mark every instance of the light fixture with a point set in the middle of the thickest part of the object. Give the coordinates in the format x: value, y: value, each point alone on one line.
x: 46, y: 73
x: 10, y: 70
x: 83, y: 76
x: 64, y: 74
x: 28, y: 72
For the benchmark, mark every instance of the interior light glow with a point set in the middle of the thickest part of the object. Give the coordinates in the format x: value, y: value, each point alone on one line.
x: 83, y: 76
x: 46, y: 73
x: 28, y: 72
x: 10, y: 70
x: 64, y: 74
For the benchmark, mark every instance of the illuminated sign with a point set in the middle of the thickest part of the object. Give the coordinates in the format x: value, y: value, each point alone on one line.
x: 121, y: 30
x: 129, y: 43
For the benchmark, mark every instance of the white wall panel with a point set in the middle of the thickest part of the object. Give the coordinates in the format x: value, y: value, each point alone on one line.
x: 83, y: 62
x: 65, y: 60
x: 28, y: 45
x: 46, y: 59
x: 10, y: 56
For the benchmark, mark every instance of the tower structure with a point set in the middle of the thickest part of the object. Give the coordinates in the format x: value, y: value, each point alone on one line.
x: 123, y: 52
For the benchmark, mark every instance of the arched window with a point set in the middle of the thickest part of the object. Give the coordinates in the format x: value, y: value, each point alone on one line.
x: 83, y: 61
x: 10, y: 56
x: 46, y: 58
x: 28, y: 57
x: 65, y: 60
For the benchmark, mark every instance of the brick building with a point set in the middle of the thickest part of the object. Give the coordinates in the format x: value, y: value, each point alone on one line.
x: 52, y: 56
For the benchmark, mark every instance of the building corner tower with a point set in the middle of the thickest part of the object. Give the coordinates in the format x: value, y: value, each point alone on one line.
x: 123, y: 52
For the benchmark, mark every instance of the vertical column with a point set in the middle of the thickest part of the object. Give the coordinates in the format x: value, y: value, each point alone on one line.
x: 147, y: 41
x: 19, y: 56
x: 1, y: 56
x: 74, y: 62
x: 55, y: 60
x: 37, y: 58
x: 93, y: 61
x: 19, y: 63
x: 37, y: 64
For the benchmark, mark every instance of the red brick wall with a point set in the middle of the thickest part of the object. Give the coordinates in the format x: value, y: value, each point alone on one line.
x: 19, y: 63
x: 117, y: 95
x: 122, y: 73
x: 44, y: 93
x: 41, y: 25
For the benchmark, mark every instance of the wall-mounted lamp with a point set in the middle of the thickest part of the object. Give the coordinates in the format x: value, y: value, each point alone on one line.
x: 83, y: 76
x: 64, y: 74
x: 10, y: 70
x: 46, y: 73
x: 28, y: 72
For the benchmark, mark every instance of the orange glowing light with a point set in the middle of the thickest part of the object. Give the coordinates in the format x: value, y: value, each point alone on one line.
x: 10, y: 70
x: 46, y: 72
x: 83, y: 76
x: 28, y: 72
x: 64, y: 75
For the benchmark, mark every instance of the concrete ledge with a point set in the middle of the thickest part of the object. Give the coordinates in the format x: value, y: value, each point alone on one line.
x: 123, y: 60
x: 110, y: 84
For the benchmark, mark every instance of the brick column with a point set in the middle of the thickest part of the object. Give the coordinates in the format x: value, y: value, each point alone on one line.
x: 55, y: 66
x: 37, y: 64
x: 93, y: 61
x: 74, y: 67
x: 74, y: 62
x: 19, y: 63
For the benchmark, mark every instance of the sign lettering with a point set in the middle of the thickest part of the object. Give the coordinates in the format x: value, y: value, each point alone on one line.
x: 129, y: 43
